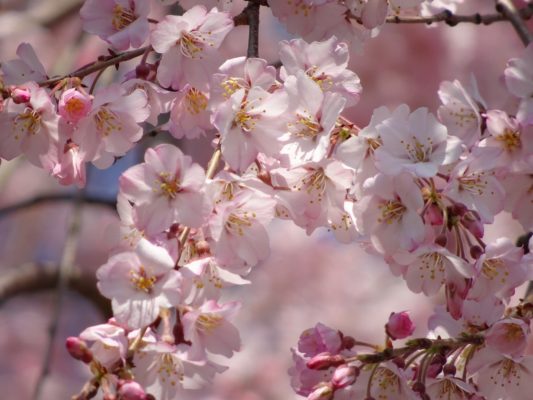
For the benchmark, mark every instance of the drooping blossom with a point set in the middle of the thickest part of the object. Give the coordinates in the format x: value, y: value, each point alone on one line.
x: 519, y: 78
x: 188, y: 44
x: 112, y: 127
x: 122, y: 23
x: 250, y: 122
x: 109, y: 343
x: 24, y: 69
x: 74, y: 105
x: 140, y: 283
x: 167, y: 188
x: 29, y: 128
x: 189, y: 115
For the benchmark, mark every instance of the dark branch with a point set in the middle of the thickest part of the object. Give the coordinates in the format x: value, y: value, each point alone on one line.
x: 252, y: 13
x: 32, y: 278
x: 52, y: 198
x: 509, y: 12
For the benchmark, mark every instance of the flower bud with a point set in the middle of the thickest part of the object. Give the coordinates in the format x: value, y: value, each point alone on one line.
x: 399, y: 326
x: 344, y: 375
x: 449, y: 369
x: 142, y: 71
x: 348, y: 342
x: 323, y: 392
x: 130, y: 390
x: 324, y: 361
x: 20, y: 95
x: 78, y: 349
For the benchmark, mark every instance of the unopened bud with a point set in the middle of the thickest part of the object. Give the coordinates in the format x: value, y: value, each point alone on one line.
x: 458, y: 209
x: 476, y: 252
x: 348, y: 342
x: 325, y: 360
x: 344, y: 375
x: 20, y: 95
x: 419, y: 387
x: 324, y: 392
x: 399, y: 326
x: 130, y: 390
x: 433, y: 370
x: 78, y: 349
x: 142, y: 71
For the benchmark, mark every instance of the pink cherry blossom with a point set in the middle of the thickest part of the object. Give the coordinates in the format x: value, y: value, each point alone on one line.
x: 166, y: 188
x: 518, y: 78
x: 238, y: 228
x: 140, y: 283
x: 415, y: 142
x: 159, y: 99
x: 461, y: 110
x: 508, y: 336
x: 112, y: 126
x: 208, y: 328
x: 250, y: 122
x: 325, y: 62
x: 24, y: 69
x: 389, y: 213
x: 30, y: 128
x: 74, y: 105
x: 122, y: 23
x: 449, y: 388
x: 188, y: 43
x: 110, y: 343
x: 309, y: 131
x: 189, y: 115
x: 319, y: 339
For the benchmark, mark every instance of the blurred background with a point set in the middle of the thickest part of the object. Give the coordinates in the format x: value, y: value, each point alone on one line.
x: 306, y: 279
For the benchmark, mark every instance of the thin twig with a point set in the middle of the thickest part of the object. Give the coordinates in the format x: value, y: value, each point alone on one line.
x: 97, y: 66
x: 65, y: 269
x: 452, y: 19
x: 53, y: 198
x: 509, y: 11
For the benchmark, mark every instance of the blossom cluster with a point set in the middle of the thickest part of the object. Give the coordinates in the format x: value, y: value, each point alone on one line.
x: 414, y: 188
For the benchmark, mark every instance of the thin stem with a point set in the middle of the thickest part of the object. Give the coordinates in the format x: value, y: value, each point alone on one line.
x: 509, y: 11
x: 252, y: 12
x: 98, y: 65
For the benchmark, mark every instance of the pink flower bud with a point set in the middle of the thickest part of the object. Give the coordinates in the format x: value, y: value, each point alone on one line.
x: 130, y: 390
x: 344, y: 375
x: 323, y: 392
x: 20, y: 95
x: 399, y: 326
x: 78, y: 349
x: 324, y: 361
x: 74, y: 105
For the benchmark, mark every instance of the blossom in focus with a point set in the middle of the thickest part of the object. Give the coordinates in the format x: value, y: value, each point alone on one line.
x: 188, y: 46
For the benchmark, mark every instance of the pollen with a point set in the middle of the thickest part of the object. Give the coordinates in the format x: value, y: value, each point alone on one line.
x: 208, y: 322
x: 28, y: 122
x: 305, y: 127
x: 195, y: 101
x: 191, y: 45
x: 169, y: 186
x: 510, y: 140
x: 122, y: 17
x: 244, y: 120
x: 141, y: 280
x: 107, y: 122
x: 74, y: 106
x: 391, y: 211
x: 236, y: 223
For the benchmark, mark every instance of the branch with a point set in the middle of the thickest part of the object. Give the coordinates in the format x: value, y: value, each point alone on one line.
x: 509, y: 11
x: 252, y: 12
x: 33, y: 277
x: 52, y: 198
x: 98, y: 65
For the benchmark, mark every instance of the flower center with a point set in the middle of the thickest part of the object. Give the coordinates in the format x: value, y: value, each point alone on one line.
x: 416, y: 151
x: 27, y: 122
x: 244, y: 120
x: 231, y: 85
x: 491, y: 269
x: 196, y: 101
x: 74, y: 106
x: 510, y: 140
x: 169, y: 187
x: 236, y: 223
x: 474, y: 183
x: 141, y: 280
x: 122, y: 17
x: 191, y: 45
x: 391, y: 211
x: 106, y: 122
x: 305, y: 127
x: 322, y: 80
x: 208, y: 322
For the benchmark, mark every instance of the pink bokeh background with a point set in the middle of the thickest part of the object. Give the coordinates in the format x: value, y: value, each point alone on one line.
x: 306, y: 279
